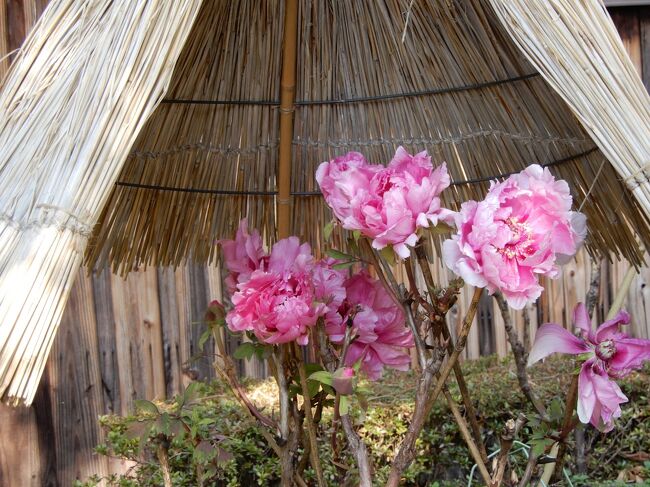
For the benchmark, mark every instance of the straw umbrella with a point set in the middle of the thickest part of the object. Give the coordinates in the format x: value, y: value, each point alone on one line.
x: 74, y: 101
x: 457, y: 78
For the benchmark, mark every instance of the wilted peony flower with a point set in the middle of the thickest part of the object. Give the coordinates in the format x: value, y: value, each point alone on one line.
x: 522, y: 229
x: 610, y: 354
x: 279, y: 305
x: 243, y: 255
x: 378, y: 325
x: 215, y: 312
x: 388, y: 204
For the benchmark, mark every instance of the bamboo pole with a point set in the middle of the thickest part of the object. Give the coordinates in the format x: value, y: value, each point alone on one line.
x: 287, y: 98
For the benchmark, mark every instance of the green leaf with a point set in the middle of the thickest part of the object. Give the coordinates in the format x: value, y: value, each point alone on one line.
x: 310, y: 368
x: 389, y: 254
x: 338, y: 255
x: 356, y: 234
x: 312, y: 388
x: 204, y: 338
x: 344, y: 405
x: 144, y: 437
x: 191, y: 392
x: 322, y: 376
x: 343, y: 265
x: 163, y: 424
x: 327, y: 231
x: 555, y: 410
x: 244, y: 351
x: 363, y: 401
x: 145, y: 406
x: 263, y: 352
x: 539, y: 446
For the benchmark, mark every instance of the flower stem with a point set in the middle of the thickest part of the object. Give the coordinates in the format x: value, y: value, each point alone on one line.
x: 520, y: 357
x: 568, y: 424
x: 311, y: 430
x: 446, y: 336
x: 462, y: 426
x: 460, y: 346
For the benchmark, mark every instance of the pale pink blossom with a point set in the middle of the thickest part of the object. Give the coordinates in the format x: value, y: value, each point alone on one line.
x: 378, y: 326
x: 522, y: 229
x: 609, y: 354
x: 278, y: 304
x: 243, y: 255
x: 386, y: 204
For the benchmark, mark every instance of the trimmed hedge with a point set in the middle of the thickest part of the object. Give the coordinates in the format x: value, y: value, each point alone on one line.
x: 212, y: 442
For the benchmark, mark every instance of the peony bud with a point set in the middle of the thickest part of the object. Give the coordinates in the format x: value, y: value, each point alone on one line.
x: 343, y: 381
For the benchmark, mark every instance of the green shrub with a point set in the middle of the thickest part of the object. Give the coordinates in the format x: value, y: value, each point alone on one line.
x: 210, y: 440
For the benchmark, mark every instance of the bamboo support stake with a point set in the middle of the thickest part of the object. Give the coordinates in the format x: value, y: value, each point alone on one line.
x: 287, y: 97
x: 311, y: 430
x: 622, y: 292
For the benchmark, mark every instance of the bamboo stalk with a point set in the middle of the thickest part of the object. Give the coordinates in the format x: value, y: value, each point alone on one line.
x: 287, y: 96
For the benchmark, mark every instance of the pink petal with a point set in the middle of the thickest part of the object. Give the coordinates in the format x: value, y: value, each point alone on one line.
x: 609, y: 397
x: 586, y: 396
x: 610, y: 328
x: 552, y: 338
x: 598, y: 398
x: 581, y: 320
x: 630, y: 354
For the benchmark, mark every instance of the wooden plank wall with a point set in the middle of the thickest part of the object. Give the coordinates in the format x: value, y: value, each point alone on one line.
x: 122, y: 340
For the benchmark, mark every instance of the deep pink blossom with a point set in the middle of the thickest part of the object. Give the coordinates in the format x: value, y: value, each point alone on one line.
x: 522, y: 229
x: 378, y: 326
x: 386, y: 204
x: 278, y: 304
x: 243, y: 255
x: 609, y: 353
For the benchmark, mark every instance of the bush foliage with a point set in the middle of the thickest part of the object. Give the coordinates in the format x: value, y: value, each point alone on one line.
x: 208, y: 440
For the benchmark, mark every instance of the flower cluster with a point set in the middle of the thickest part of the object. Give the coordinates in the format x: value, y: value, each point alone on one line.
x: 386, y: 204
x: 609, y: 354
x: 280, y: 296
x: 521, y: 230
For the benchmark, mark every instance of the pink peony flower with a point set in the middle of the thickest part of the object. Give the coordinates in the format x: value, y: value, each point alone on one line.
x: 329, y: 284
x: 522, y: 229
x: 610, y: 354
x: 243, y: 255
x: 388, y: 204
x: 378, y: 325
x: 278, y: 304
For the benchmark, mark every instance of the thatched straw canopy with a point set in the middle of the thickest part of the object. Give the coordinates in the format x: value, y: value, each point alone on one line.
x: 489, y: 86
x: 440, y: 76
